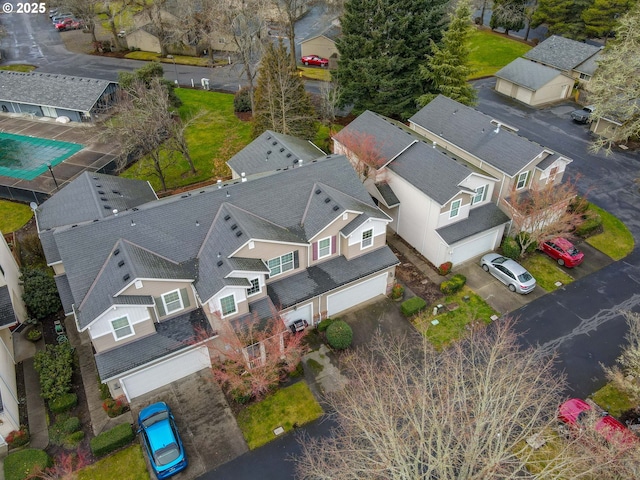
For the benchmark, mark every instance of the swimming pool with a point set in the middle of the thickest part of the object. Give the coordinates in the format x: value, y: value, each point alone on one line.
x: 27, y: 157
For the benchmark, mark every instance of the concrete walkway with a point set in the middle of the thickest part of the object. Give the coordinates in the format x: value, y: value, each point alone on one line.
x: 326, y: 377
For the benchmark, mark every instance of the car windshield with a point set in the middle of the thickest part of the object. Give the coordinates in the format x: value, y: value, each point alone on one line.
x: 156, y: 417
x: 525, y: 277
x: 166, y: 455
x: 573, y: 251
x: 499, y: 260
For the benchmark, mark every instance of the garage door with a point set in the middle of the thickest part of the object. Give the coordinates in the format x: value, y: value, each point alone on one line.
x: 163, y: 373
x: 465, y: 251
x: 359, y: 293
x: 305, y: 313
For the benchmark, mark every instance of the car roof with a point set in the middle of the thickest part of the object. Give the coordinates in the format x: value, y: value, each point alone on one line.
x: 562, y: 242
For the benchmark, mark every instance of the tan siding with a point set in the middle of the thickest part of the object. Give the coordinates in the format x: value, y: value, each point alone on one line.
x: 107, y: 342
x: 354, y: 250
x: 330, y: 231
x: 321, y: 46
x: 58, y: 268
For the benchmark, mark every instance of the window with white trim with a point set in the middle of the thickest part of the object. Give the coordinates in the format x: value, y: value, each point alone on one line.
x: 522, y: 180
x: 254, y: 288
x: 324, y: 247
x: 172, y: 302
x: 455, y: 208
x: 367, y: 238
x: 121, y: 328
x: 585, y: 76
x: 228, y: 305
x: 280, y: 264
x: 481, y: 195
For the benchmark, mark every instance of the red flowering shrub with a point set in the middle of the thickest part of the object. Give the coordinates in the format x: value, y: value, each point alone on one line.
x: 444, y: 268
x: 18, y: 438
x: 115, y: 408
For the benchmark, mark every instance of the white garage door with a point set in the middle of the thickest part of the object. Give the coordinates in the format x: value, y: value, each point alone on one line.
x: 473, y: 248
x: 359, y: 293
x: 305, y: 313
x: 164, y: 373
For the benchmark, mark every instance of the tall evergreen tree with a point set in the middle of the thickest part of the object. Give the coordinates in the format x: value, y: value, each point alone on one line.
x: 562, y: 17
x: 447, y: 69
x: 508, y: 14
x: 601, y: 18
x: 382, y: 45
x: 281, y: 103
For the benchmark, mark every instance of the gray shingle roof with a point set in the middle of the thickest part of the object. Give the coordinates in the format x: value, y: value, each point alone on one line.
x: 590, y: 65
x: 479, y: 220
x: 247, y: 264
x: 547, y: 161
x: 326, y: 276
x: 49, y: 246
x: 64, y: 290
x: 474, y: 132
x: 171, y: 336
x: 93, y: 196
x: 433, y: 173
x: 7, y: 315
x: 332, y: 33
x: 527, y: 74
x: 353, y: 224
x: 387, y: 194
x: 561, y: 53
x: 262, y: 155
x: 47, y: 89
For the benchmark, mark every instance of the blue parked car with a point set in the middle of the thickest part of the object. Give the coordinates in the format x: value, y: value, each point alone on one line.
x: 161, y: 440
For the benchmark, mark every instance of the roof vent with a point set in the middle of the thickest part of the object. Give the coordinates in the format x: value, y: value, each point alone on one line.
x: 220, y: 262
x: 227, y: 217
x: 133, y: 224
x: 288, y: 155
x: 327, y: 200
x: 219, y: 183
x: 295, y: 160
x: 336, y: 208
x: 107, y: 207
x: 135, y: 209
x: 268, y: 152
x: 104, y: 199
x: 269, y: 137
x: 244, y: 177
x: 116, y: 192
x: 197, y: 223
x: 95, y: 178
x: 126, y: 277
x: 318, y: 192
x: 121, y: 263
x: 281, y: 149
x: 239, y: 233
x: 234, y: 226
x: 116, y: 252
x: 98, y: 185
x: 100, y: 192
x: 184, y: 196
x: 274, y: 143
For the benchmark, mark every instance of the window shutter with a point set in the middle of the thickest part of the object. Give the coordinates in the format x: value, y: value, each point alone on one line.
x: 315, y: 250
x: 296, y: 262
x: 185, y: 298
x: 333, y: 244
x: 160, y: 306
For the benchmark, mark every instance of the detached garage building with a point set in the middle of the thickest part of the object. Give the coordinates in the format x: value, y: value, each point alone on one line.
x: 49, y: 95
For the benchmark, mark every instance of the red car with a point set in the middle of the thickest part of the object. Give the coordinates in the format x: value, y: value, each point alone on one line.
x: 315, y: 60
x: 574, y: 412
x: 563, y: 251
x: 68, y: 24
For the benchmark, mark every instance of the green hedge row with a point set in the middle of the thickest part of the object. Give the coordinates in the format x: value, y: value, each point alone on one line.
x: 23, y: 464
x: 590, y: 225
x: 449, y: 287
x: 412, y: 306
x: 112, y: 440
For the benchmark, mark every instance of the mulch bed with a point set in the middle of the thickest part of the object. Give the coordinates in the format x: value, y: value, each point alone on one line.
x: 415, y: 281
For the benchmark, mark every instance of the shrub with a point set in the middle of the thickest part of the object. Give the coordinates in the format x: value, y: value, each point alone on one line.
x: 579, y: 205
x: 339, y: 335
x: 298, y: 371
x: 40, y: 292
x: 589, y: 226
x: 31, y: 251
x: 324, y: 324
x: 63, y: 403
x: 70, y: 425
x: 242, y: 100
x: 445, y: 268
x: 510, y: 248
x: 412, y: 306
x: 34, y: 334
x: 54, y: 364
x: 111, y: 440
x: 18, y: 438
x: 523, y: 238
x: 114, y: 408
x: 397, y: 291
x: 450, y: 287
x: 104, y: 390
x: 22, y: 464
x: 72, y: 441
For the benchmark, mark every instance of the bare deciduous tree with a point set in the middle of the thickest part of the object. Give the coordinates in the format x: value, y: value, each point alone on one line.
x: 290, y: 11
x: 86, y: 11
x: 412, y: 413
x: 542, y: 212
x: 329, y: 101
x: 363, y: 151
x: 626, y: 375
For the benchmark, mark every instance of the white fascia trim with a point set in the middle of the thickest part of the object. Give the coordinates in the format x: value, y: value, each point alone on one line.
x: 59, y: 262
x: 399, y: 153
x: 244, y: 273
x: 277, y: 242
x: 111, y: 308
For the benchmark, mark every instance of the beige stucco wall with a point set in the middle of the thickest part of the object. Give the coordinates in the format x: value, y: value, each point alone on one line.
x: 108, y: 341
x: 267, y: 250
x: 321, y: 46
x: 332, y: 230
x: 355, y: 250
x: 156, y: 288
x: 58, y: 268
x: 143, y: 41
x: 557, y: 89
x: 603, y: 127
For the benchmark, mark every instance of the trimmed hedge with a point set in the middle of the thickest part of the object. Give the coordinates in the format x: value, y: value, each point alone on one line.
x: 112, y: 440
x: 590, y: 225
x: 339, y: 335
x: 70, y: 425
x: 324, y: 324
x: 72, y: 440
x: 63, y: 403
x: 20, y: 465
x: 412, y: 306
x: 450, y: 287
x: 511, y: 248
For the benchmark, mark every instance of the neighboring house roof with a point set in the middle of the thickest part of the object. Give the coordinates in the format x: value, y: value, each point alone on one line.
x: 64, y: 290
x: 93, y: 196
x: 561, y: 53
x: 171, y: 336
x: 389, y: 198
x: 527, y: 74
x: 430, y: 171
x: 273, y: 151
x: 590, y: 65
x: 332, y: 33
x: 328, y: 275
x: 480, y: 219
x: 51, y: 90
x: 191, y: 228
x: 385, y: 136
x: 7, y: 314
x: 478, y: 134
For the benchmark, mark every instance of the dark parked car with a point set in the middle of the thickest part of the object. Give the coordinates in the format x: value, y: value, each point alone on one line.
x: 563, y: 251
x: 315, y: 60
x: 161, y: 440
x: 509, y: 272
x: 583, y: 115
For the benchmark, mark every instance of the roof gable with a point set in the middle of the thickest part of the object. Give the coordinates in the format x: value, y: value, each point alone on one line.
x: 528, y: 74
x: 562, y: 53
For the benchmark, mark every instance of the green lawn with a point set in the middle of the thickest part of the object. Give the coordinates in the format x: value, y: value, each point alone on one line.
x: 491, y: 52
x: 13, y: 216
x: 294, y: 405
x: 616, y: 240
x: 612, y: 400
x: 127, y: 464
x: 19, y: 67
x: 179, y: 59
x: 546, y: 271
x: 452, y: 324
x: 213, y: 139
x: 315, y: 73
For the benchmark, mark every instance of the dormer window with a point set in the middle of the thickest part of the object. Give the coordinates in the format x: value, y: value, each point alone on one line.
x: 254, y: 288
x: 367, y: 239
x: 455, y: 208
x: 172, y: 302
x: 522, y: 180
x: 228, y: 305
x: 480, y: 196
x: 122, y: 328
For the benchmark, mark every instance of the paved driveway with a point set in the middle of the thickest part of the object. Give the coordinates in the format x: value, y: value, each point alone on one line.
x: 208, y: 429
